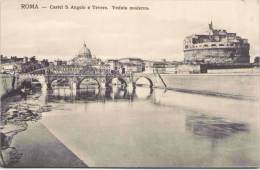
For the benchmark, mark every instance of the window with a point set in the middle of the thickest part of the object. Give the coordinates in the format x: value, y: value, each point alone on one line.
x: 221, y: 44
x: 205, y: 45
x: 213, y: 45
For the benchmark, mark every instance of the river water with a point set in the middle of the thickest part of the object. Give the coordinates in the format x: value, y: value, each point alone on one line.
x: 152, y: 127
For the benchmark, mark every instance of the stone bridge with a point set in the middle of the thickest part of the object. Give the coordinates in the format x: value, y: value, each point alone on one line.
x: 74, y: 76
x: 102, y: 80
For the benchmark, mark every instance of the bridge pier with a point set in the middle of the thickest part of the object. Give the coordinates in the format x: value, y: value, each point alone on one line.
x: 48, y: 86
x: 130, y: 87
x: 133, y: 85
x: 73, y: 87
x: 44, y: 86
x: 101, y: 82
x: 102, y: 85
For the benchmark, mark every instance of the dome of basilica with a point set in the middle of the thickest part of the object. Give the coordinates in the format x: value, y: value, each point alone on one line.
x: 84, y: 56
x: 85, y: 51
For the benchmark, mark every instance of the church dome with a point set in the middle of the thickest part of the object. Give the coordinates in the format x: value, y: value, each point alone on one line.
x: 84, y: 56
x: 85, y: 51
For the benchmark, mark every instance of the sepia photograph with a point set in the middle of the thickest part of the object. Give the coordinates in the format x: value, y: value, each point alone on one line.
x: 130, y: 84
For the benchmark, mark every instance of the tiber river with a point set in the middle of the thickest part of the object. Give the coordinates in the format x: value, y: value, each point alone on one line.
x: 141, y: 128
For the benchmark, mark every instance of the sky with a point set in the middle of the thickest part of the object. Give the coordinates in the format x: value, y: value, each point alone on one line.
x: 154, y: 34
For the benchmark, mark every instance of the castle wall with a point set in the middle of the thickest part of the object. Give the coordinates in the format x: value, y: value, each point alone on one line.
x: 217, y: 55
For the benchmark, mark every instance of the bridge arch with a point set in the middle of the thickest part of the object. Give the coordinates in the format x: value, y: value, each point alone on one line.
x: 94, y: 80
x: 144, y: 78
x: 146, y: 93
x: 122, y: 81
x: 57, y: 80
x: 27, y: 80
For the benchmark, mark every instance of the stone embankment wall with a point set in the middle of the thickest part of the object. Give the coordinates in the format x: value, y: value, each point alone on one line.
x: 237, y: 85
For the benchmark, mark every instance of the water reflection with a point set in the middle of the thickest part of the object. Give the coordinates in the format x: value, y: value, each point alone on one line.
x: 98, y: 94
x: 143, y: 93
x: 213, y: 127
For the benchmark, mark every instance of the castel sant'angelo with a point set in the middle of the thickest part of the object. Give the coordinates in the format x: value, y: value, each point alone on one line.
x: 216, y: 46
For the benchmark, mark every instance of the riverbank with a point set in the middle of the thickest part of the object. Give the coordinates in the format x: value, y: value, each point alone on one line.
x: 41, y: 149
x: 7, y: 99
x: 7, y: 84
x: 25, y: 142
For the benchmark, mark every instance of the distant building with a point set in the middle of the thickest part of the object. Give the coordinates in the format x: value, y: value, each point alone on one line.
x: 216, y: 46
x: 83, y: 58
x: 44, y: 62
x: 130, y: 68
x: 103, y: 67
x: 159, y: 67
x: 31, y: 65
x: 148, y: 66
x: 59, y: 62
x: 12, y: 59
x: 188, y: 68
x: 114, y: 64
x: 25, y: 59
x: 162, y: 67
x: 11, y: 64
x: 134, y: 65
x: 171, y: 68
x: 9, y: 68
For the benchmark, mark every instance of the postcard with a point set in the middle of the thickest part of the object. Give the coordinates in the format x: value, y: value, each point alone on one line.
x: 130, y: 84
